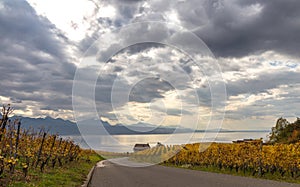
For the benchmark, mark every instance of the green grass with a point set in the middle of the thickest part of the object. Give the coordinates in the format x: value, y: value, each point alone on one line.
x: 267, y: 176
x: 69, y: 175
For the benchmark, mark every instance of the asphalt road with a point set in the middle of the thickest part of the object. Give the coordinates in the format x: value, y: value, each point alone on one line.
x: 111, y: 175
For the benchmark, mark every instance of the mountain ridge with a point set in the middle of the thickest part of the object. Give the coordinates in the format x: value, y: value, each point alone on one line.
x: 93, y: 127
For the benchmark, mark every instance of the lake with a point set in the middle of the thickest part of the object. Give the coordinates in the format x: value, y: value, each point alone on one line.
x: 125, y: 143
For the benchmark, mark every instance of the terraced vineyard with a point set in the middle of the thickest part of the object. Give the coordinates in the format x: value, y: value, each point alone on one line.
x: 22, y: 150
x: 254, y: 157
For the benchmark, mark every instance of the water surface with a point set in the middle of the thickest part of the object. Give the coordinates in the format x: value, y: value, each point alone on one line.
x: 125, y: 143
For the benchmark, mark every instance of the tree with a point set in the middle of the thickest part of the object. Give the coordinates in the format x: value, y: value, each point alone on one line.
x: 285, y: 132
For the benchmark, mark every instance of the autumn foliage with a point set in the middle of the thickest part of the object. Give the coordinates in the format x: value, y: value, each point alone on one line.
x: 22, y: 150
x: 285, y: 132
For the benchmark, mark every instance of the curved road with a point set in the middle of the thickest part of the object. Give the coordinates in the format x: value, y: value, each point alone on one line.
x: 110, y: 174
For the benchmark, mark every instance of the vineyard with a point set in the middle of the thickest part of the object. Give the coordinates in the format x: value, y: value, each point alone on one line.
x: 24, y: 150
x: 250, y: 157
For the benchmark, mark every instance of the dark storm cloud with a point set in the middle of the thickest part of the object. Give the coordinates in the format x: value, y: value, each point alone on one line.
x: 104, y: 88
x: 117, y: 69
x: 22, y: 27
x: 135, y: 39
x: 142, y: 47
x: 229, y: 28
x: 262, y: 83
x: 125, y: 11
x: 235, y: 28
x: 148, y: 89
x: 33, y: 57
x: 233, y: 31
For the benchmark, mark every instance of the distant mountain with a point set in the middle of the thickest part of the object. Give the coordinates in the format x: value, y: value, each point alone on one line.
x: 60, y: 126
x: 93, y: 127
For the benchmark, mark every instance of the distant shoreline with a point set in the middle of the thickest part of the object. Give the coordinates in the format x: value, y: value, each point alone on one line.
x: 225, y: 131
x: 185, y: 132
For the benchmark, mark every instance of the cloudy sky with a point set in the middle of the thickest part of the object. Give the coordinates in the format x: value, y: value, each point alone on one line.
x: 253, y: 45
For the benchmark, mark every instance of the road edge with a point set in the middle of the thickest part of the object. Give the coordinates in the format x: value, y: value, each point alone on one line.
x: 89, y: 177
